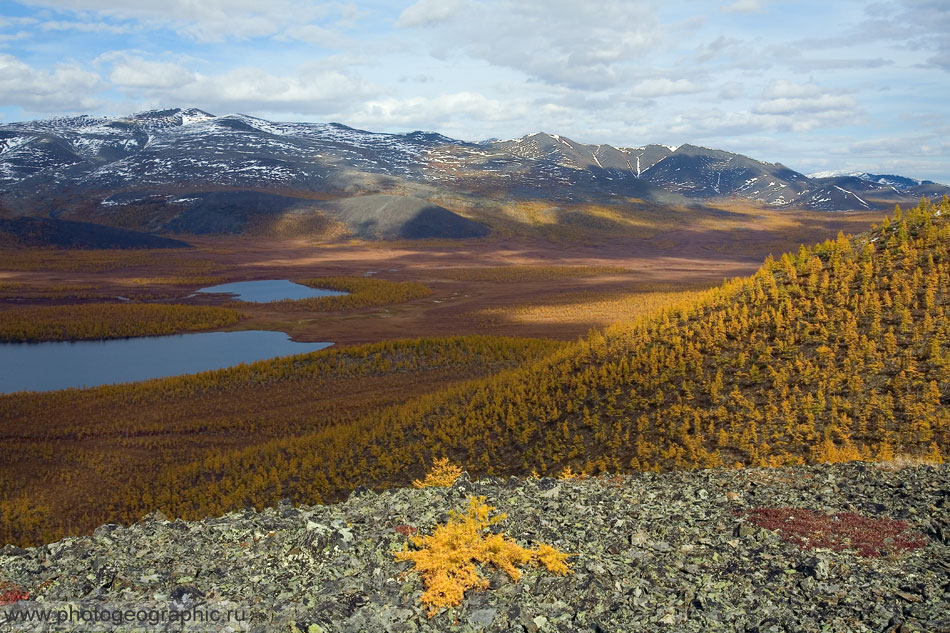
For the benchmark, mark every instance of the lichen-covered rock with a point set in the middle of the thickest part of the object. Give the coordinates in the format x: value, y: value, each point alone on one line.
x: 676, y: 552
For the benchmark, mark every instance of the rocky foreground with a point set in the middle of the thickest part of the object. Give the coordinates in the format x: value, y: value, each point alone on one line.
x: 722, y: 550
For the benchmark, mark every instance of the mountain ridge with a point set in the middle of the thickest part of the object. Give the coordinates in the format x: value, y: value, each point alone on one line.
x: 87, y: 158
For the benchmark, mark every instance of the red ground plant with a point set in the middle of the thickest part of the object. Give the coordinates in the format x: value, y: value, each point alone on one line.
x: 839, y: 531
x: 10, y: 593
x: 405, y: 530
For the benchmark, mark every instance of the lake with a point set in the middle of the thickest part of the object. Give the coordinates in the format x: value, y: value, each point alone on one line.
x: 267, y: 290
x: 58, y: 365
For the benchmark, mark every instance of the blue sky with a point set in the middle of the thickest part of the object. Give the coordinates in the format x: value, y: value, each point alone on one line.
x: 815, y: 85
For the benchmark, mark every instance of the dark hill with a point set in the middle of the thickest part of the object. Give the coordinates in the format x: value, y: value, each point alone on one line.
x: 225, y: 212
x: 370, y: 217
x: 24, y: 231
x: 386, y: 217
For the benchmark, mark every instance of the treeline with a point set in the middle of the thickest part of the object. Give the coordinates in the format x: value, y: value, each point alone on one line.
x: 76, y: 260
x: 364, y: 292
x: 108, y: 321
x: 68, y: 458
x: 837, y: 352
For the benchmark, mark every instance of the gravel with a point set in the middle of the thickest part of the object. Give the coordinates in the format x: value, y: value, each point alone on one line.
x: 673, y: 551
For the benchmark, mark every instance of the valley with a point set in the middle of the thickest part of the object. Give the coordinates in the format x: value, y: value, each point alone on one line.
x: 693, y: 252
x: 496, y: 304
x: 519, y: 306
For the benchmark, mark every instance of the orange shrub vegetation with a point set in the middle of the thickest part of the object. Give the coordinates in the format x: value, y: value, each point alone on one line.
x: 446, y: 559
x: 364, y: 292
x: 108, y: 320
x: 443, y: 473
x: 593, y: 307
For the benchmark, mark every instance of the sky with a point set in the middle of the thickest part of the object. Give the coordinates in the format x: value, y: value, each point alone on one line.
x: 815, y: 85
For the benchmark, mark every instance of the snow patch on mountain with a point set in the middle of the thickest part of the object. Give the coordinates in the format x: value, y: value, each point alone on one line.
x: 837, y: 174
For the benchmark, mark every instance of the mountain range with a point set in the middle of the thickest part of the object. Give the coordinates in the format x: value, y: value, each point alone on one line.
x: 187, y: 171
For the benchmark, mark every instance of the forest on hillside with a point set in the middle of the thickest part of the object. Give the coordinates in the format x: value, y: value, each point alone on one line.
x: 837, y: 352
x: 67, y: 457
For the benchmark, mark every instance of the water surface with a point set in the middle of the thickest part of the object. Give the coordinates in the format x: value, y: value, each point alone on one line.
x: 267, y: 290
x: 62, y: 364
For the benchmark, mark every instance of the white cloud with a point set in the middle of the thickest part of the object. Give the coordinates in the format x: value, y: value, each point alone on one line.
x: 662, y: 86
x: 6, y: 38
x: 919, y: 156
x: 825, y: 104
x: 589, y: 45
x: 316, y: 89
x: 67, y: 88
x: 731, y: 90
x: 809, y: 111
x: 722, y: 46
x: 806, y: 106
x: 314, y: 34
x: 208, y: 20
x: 901, y: 147
x: 9, y: 21
x: 941, y: 59
x: 86, y: 27
x: 134, y: 72
x: 435, y: 112
x: 255, y: 89
x: 426, y: 12
x: 783, y: 89
x: 744, y: 6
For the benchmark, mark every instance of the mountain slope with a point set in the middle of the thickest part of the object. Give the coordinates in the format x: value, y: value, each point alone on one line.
x: 888, y: 180
x: 44, y: 232
x: 836, y: 190
x: 839, y: 352
x: 382, y: 217
x: 100, y: 169
x: 564, y: 151
x: 699, y: 172
x: 705, y: 173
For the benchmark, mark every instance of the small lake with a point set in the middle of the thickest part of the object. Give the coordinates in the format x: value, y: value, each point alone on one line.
x: 267, y: 290
x: 58, y: 365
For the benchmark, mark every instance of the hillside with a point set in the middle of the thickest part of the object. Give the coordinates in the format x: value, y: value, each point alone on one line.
x: 699, y: 172
x: 381, y: 216
x: 851, y: 547
x: 837, y: 352
x: 45, y: 232
x: 67, y: 457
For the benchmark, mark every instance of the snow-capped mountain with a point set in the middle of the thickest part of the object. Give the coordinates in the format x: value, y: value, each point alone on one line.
x: 168, y: 159
x: 840, y: 188
x: 888, y: 180
x: 568, y: 153
x: 699, y: 172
